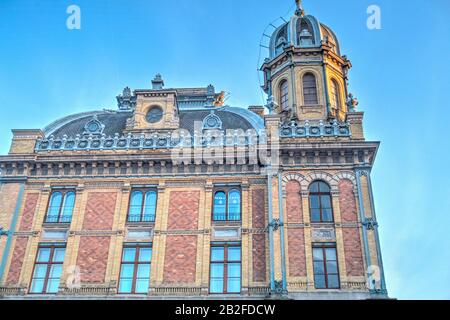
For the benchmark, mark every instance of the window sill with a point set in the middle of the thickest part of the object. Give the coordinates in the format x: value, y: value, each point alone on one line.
x: 227, y: 223
x: 56, y: 225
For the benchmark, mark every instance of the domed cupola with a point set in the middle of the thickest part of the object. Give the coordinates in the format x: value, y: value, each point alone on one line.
x: 305, y: 75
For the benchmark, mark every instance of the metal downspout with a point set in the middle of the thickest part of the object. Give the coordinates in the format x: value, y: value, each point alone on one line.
x: 283, y: 254
x: 11, y: 231
x: 271, y: 252
x: 325, y: 83
x: 362, y: 217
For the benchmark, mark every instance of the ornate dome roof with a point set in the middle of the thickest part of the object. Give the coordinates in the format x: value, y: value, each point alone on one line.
x: 302, y: 32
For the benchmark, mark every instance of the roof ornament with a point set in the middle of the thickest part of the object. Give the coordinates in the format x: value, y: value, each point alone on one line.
x: 94, y: 126
x: 126, y: 101
x: 352, y: 103
x: 220, y: 99
x: 212, y: 121
x: 158, y: 82
x: 299, y: 12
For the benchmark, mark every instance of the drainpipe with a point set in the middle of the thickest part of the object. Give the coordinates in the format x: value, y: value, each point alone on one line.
x: 11, y: 231
x: 362, y: 217
x: 283, y: 254
x: 271, y: 252
x: 377, y: 238
x: 325, y: 83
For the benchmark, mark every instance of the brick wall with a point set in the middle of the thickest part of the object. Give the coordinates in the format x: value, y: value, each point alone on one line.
x: 296, y: 251
x: 17, y: 261
x: 180, y: 259
x: 259, y: 257
x: 352, y: 240
x: 258, y: 208
x: 99, y: 213
x: 29, y: 210
x: 293, y: 203
x: 183, y: 210
x: 93, y: 258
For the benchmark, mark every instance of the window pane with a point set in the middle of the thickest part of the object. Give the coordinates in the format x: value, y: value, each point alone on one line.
x: 44, y: 255
x: 318, y: 268
x: 58, y: 254
x: 143, y: 271
x: 317, y: 254
x: 219, y: 206
x: 314, y: 202
x: 125, y: 285
x: 333, y: 282
x: 40, y: 271
x: 314, y: 187
x: 327, y: 215
x: 332, y: 267
x: 129, y: 254
x: 150, y: 206
x: 326, y: 201
x: 55, y: 271
x: 217, y: 270
x: 217, y: 254
x: 234, y: 205
x: 37, y: 286
x: 145, y: 255
x: 216, y: 286
x: 234, y: 285
x: 127, y: 271
x: 142, y: 285
x: 135, y: 211
x: 331, y: 253
x: 234, y: 254
x: 315, y: 215
x: 53, y: 285
x: 55, y: 205
x: 324, y: 188
x: 319, y: 281
x: 234, y: 270
x: 69, y: 203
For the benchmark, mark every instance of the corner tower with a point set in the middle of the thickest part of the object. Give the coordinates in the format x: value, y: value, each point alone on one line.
x: 305, y: 75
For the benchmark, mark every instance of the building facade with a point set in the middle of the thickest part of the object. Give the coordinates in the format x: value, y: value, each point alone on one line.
x: 176, y: 195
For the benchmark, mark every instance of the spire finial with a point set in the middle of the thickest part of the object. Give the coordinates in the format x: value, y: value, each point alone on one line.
x: 299, y: 11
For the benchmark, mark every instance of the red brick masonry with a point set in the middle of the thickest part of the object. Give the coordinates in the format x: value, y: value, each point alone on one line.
x: 180, y: 259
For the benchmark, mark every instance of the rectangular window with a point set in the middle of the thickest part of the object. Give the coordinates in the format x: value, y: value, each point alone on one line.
x: 326, y: 273
x: 135, y: 268
x: 48, y: 269
x: 142, y: 206
x: 225, y: 268
x: 227, y: 204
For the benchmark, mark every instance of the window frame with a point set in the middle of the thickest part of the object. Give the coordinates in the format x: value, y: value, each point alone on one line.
x: 227, y: 190
x: 49, y: 264
x: 284, y: 94
x: 225, y: 263
x: 315, y: 94
x: 135, y: 263
x: 335, y: 94
x: 64, y: 193
x: 144, y: 192
x: 323, y: 247
x: 319, y: 194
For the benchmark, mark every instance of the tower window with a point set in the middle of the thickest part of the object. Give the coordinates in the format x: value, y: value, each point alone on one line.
x: 320, y: 205
x: 135, y: 269
x: 335, y: 95
x: 310, y: 89
x: 326, y: 273
x: 227, y: 205
x: 225, y: 268
x: 142, y: 205
x: 48, y: 269
x: 284, y: 95
x: 60, y: 207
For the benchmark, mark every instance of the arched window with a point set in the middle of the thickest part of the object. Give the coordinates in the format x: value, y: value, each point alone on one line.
x: 227, y: 205
x: 310, y: 89
x: 142, y: 206
x: 284, y: 95
x: 335, y: 99
x: 320, y: 205
x: 279, y: 47
x: 60, y: 208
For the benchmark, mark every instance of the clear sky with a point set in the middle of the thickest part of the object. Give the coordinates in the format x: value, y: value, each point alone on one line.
x: 400, y: 76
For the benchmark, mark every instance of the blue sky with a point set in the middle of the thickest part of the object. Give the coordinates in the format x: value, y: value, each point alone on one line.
x: 400, y: 76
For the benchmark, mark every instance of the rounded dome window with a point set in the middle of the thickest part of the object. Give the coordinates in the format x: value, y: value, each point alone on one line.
x: 93, y: 127
x: 154, y: 115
